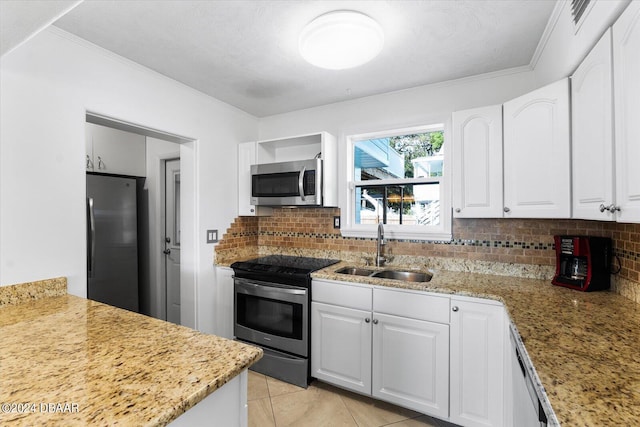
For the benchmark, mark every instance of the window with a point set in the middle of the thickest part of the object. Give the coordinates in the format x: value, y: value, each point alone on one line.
x: 398, y: 178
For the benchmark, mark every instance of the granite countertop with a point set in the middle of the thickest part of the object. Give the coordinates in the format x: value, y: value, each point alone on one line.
x: 585, y: 347
x: 100, y: 365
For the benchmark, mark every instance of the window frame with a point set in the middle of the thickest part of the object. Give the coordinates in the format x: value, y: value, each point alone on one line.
x: 347, y: 183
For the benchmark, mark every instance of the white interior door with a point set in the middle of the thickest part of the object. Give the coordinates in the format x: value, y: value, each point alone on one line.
x: 172, y: 238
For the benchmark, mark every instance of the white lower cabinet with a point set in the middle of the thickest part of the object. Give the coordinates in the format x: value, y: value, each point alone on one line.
x: 341, y: 346
x: 224, y: 294
x: 438, y: 355
x: 477, y: 363
x: 398, y: 359
x: 410, y: 363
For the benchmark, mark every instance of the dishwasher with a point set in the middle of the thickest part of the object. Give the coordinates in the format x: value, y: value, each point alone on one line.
x: 527, y: 409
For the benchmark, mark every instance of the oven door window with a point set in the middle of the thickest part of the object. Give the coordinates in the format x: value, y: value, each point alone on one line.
x: 280, y: 318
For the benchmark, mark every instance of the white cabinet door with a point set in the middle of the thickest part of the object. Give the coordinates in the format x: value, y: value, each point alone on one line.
x: 246, y: 158
x: 477, y: 162
x: 592, y: 134
x: 341, y: 346
x: 626, y: 60
x: 536, y: 154
x: 477, y: 364
x: 411, y: 363
x: 117, y: 152
x: 224, y: 302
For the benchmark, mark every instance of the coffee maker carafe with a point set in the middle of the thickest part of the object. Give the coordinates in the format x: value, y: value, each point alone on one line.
x: 582, y: 262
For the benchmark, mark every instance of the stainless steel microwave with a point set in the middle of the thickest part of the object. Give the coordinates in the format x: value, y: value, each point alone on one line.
x: 294, y: 183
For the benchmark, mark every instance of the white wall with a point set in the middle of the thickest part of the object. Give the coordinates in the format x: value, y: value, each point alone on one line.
x: 46, y: 86
x: 565, y: 48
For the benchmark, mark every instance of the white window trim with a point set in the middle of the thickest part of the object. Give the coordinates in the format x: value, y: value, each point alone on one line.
x: 441, y: 232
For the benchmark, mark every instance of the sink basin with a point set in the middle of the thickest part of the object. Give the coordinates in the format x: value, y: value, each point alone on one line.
x: 355, y: 271
x: 407, y: 276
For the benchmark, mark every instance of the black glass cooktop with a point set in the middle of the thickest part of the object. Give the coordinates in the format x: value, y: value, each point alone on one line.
x: 283, y: 264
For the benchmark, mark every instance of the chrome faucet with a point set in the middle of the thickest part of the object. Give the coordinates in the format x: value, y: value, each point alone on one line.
x: 380, y: 260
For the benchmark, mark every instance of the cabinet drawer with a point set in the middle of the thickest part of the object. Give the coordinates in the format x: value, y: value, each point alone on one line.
x: 345, y: 295
x: 411, y: 304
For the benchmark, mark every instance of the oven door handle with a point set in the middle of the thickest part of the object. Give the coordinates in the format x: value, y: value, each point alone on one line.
x: 270, y: 290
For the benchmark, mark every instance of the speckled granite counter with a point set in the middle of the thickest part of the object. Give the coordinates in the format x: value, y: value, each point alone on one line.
x: 103, y: 365
x: 585, y: 347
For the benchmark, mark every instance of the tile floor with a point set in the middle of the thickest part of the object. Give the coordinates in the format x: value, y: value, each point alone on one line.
x: 273, y: 403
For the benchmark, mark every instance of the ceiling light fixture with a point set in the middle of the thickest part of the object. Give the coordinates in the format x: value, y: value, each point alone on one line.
x: 341, y: 39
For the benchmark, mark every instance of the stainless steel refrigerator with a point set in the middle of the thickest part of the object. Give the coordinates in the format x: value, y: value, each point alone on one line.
x: 112, y: 241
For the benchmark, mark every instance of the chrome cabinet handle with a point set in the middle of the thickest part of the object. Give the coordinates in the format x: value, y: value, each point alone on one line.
x: 375, y: 321
x: 454, y: 308
x: 167, y: 251
x: 611, y: 208
x: 506, y: 209
x: 89, y: 163
x: 100, y: 163
x: 367, y: 320
x: 458, y: 209
x: 301, y: 183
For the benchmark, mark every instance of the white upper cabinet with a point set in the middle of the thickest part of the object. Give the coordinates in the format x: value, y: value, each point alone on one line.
x: 592, y: 134
x: 626, y: 59
x: 246, y: 158
x: 303, y: 147
x: 537, y: 154
x: 113, y: 151
x: 477, y: 161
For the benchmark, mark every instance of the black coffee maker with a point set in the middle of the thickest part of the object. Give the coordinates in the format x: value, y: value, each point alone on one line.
x: 583, y: 262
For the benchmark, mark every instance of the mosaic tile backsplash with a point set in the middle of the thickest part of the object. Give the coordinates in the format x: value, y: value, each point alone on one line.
x: 509, y: 241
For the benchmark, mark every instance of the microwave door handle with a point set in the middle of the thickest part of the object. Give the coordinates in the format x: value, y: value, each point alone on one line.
x: 301, y: 183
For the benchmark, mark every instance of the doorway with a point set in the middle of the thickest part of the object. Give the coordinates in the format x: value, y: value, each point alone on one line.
x: 162, y: 146
x: 171, y: 207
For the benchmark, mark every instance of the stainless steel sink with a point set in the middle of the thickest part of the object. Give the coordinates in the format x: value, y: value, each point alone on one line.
x: 407, y: 276
x: 355, y: 271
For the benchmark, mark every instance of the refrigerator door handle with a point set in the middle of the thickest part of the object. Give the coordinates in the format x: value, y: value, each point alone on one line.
x: 92, y: 237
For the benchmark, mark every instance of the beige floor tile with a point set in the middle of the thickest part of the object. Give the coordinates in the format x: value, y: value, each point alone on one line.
x: 313, y: 407
x: 277, y: 387
x: 369, y: 412
x: 260, y: 413
x: 257, y: 388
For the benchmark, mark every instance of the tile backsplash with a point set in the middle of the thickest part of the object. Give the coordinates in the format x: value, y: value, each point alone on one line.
x: 508, y: 241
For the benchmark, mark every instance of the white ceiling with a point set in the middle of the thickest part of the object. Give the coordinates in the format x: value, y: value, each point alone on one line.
x: 245, y: 52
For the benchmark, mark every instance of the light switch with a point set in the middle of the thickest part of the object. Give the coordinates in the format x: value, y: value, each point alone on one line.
x: 212, y: 236
x: 336, y: 222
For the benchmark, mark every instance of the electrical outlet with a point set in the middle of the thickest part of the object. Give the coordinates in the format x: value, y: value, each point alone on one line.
x: 336, y: 222
x: 212, y: 236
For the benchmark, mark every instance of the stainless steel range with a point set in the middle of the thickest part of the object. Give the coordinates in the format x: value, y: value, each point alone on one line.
x: 271, y: 310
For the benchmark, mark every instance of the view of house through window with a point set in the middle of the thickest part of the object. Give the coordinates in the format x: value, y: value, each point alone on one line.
x: 397, y: 178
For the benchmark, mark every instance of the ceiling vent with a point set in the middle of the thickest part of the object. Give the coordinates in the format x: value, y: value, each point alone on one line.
x: 579, y: 9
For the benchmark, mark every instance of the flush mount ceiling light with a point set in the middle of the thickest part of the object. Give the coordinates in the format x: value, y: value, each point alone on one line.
x: 341, y: 39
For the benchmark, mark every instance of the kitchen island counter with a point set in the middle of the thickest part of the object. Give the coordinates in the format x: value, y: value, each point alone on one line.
x: 66, y: 360
x: 583, y: 346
